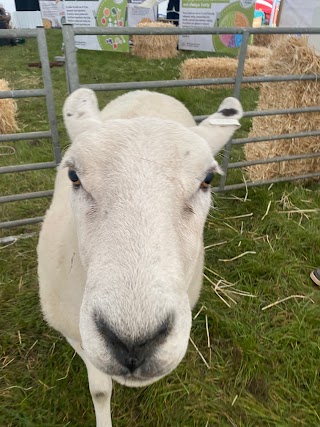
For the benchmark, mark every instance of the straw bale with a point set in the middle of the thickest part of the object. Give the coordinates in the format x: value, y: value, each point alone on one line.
x: 155, y: 47
x: 144, y: 20
x: 255, y: 67
x: 291, y: 55
x: 8, y: 109
x: 207, y: 68
x: 258, y: 51
x: 264, y: 40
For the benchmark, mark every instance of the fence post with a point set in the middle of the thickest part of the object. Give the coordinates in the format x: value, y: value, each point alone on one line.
x: 236, y: 94
x: 72, y: 72
x: 46, y: 76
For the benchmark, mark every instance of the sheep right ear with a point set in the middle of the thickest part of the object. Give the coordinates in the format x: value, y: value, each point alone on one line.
x: 81, y: 112
x: 218, y: 128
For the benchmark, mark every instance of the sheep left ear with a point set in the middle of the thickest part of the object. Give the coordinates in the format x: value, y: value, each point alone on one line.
x: 218, y: 128
x: 81, y: 112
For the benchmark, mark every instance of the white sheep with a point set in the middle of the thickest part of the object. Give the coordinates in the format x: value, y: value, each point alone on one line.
x: 121, y: 247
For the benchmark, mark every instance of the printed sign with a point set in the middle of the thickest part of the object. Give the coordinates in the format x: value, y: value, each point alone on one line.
x: 302, y: 13
x: 98, y: 13
x: 137, y: 13
x: 216, y: 13
x: 52, y: 12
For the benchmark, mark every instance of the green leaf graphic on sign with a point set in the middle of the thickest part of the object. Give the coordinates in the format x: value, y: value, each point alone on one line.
x: 234, y: 15
x: 112, y: 14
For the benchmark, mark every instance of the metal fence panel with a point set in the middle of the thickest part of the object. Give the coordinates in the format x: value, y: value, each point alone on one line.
x: 69, y: 33
x: 52, y: 133
x: 73, y: 82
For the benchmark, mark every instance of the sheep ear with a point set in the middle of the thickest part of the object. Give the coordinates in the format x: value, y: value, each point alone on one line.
x: 81, y: 112
x: 218, y: 128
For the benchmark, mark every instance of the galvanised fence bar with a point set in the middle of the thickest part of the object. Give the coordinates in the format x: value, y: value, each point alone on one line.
x: 69, y: 33
x: 72, y: 74
x: 52, y: 133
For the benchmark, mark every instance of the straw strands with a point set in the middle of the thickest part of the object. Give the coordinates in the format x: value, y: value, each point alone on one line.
x: 264, y: 40
x: 8, y: 109
x: 207, y: 68
x: 155, y: 47
x: 291, y: 55
x: 258, y: 51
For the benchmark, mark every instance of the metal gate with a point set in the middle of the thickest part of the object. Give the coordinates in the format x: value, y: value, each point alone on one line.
x: 69, y: 33
x: 52, y: 133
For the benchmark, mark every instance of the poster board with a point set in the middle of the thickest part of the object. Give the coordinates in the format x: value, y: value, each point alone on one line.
x: 301, y: 13
x: 214, y: 13
x: 52, y: 12
x: 98, y: 13
x: 90, y: 13
x: 137, y: 13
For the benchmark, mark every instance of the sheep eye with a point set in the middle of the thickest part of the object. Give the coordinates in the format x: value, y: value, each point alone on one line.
x: 74, y: 178
x: 205, y: 184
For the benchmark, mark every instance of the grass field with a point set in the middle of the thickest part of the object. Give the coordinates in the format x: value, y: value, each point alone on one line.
x: 256, y: 325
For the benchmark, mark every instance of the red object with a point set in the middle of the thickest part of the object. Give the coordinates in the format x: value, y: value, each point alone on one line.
x: 261, y: 5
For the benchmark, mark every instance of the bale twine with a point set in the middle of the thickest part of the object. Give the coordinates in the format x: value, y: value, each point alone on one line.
x: 155, y: 47
x: 291, y: 55
x: 207, y: 68
x: 8, y: 109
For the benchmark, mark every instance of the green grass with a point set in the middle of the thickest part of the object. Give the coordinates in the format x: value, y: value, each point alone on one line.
x: 264, y: 363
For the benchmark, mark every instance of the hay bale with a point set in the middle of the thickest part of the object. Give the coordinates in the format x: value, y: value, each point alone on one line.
x: 155, y: 47
x: 8, y: 109
x: 290, y: 55
x: 264, y: 40
x: 255, y: 67
x: 144, y: 20
x: 207, y: 68
x: 258, y: 52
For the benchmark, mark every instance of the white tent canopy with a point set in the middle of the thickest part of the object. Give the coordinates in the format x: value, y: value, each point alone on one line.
x: 9, y: 5
x: 302, y: 13
x: 26, y: 19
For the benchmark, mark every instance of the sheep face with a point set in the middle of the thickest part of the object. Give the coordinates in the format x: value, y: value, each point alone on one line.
x: 139, y: 192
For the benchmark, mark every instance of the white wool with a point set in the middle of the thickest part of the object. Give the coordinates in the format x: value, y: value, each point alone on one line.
x: 121, y: 250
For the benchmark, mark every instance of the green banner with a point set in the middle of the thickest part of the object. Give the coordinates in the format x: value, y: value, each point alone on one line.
x: 112, y: 14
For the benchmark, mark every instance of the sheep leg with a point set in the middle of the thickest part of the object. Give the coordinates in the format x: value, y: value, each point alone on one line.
x: 100, y: 386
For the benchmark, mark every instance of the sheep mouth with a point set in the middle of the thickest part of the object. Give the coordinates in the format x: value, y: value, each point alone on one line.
x: 135, y: 380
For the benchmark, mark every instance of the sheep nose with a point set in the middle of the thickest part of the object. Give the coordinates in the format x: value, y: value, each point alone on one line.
x: 131, y: 355
x: 130, y: 358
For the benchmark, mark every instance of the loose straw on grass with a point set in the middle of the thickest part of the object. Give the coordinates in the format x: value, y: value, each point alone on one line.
x: 200, y: 354
x: 301, y: 211
x: 224, y: 289
x: 240, y: 216
x: 215, y: 244
x: 68, y: 368
x: 238, y: 256
x: 203, y: 307
x: 11, y: 150
x: 267, y: 211
x: 286, y: 299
